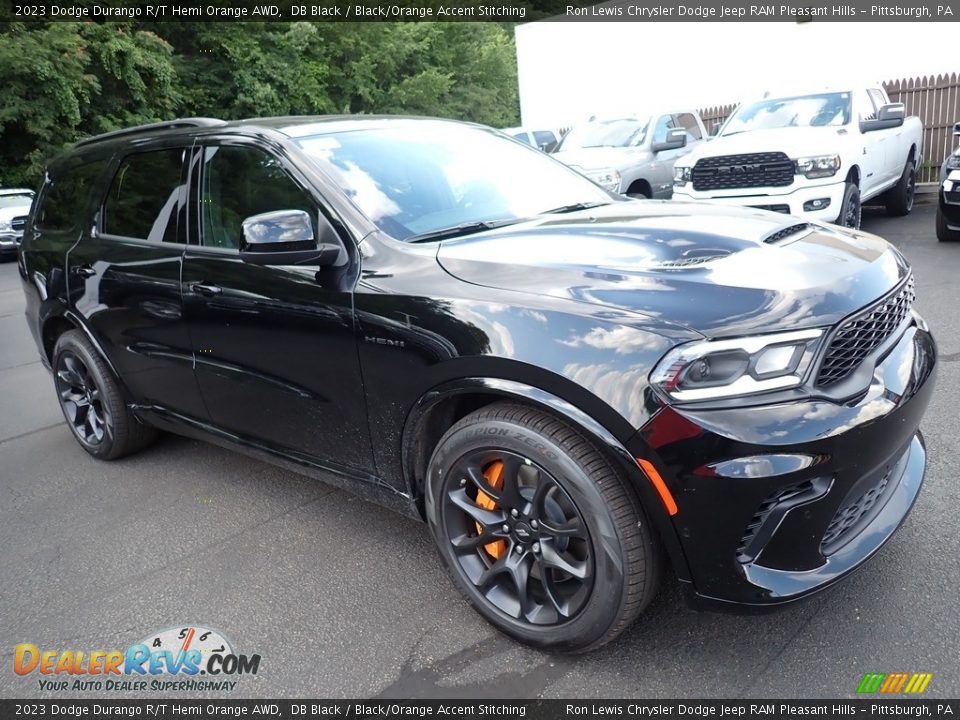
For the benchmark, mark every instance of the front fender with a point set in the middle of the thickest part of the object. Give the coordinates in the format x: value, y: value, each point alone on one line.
x: 418, y: 421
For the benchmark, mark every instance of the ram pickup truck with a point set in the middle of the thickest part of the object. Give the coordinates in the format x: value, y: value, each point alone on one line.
x: 632, y: 155
x: 818, y: 156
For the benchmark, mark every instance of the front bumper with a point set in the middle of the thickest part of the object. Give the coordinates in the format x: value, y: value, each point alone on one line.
x: 950, y: 198
x: 779, y: 501
x: 9, y: 242
x: 775, y: 199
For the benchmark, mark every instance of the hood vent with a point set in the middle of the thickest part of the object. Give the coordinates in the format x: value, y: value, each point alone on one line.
x: 694, y: 258
x: 785, y: 232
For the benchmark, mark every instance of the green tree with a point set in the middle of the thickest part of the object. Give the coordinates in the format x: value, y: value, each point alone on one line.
x: 63, y: 81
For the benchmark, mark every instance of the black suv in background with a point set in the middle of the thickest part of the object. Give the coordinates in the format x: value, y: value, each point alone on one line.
x: 569, y: 387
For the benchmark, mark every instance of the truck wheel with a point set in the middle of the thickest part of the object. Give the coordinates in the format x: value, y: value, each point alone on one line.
x: 899, y: 198
x: 944, y: 233
x: 850, y: 209
x: 538, y: 530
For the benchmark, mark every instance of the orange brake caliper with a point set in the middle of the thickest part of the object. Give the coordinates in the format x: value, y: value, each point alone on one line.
x: 494, y: 475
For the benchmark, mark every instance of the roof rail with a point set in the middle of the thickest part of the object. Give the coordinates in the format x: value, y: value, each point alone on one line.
x: 167, y: 125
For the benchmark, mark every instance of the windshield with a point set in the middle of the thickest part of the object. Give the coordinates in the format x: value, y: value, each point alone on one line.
x: 415, y: 178
x: 828, y: 109
x: 606, y: 133
x: 9, y: 201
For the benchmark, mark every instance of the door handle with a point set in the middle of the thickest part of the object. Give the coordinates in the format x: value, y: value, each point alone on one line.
x: 84, y: 271
x: 206, y: 289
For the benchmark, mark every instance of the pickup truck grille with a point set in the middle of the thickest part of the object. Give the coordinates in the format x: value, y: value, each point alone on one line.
x: 750, y: 170
x: 18, y: 223
x: 859, y: 336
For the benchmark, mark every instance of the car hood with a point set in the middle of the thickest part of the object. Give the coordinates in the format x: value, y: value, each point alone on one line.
x: 601, y: 157
x: 709, y: 268
x: 795, y: 142
x: 8, y: 213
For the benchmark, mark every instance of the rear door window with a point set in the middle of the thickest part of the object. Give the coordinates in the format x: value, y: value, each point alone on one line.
x: 145, y: 196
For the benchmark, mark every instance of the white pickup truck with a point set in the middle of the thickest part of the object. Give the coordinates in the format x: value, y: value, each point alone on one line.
x: 818, y: 156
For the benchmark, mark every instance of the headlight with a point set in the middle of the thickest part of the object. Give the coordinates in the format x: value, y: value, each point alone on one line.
x: 608, y: 178
x: 5, y: 225
x: 681, y: 175
x: 817, y: 167
x: 744, y: 366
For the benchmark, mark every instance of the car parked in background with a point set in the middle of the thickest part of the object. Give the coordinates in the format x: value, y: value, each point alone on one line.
x: 819, y: 156
x: 633, y: 155
x: 948, y: 206
x: 569, y: 387
x: 545, y: 140
x: 14, y: 209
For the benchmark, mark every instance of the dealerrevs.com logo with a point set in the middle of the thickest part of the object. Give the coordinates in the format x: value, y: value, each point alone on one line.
x: 183, y: 658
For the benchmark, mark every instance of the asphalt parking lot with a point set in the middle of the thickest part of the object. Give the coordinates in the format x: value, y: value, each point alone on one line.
x: 344, y: 599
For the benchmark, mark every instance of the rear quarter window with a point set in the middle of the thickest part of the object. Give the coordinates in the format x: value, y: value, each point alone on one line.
x: 64, y: 201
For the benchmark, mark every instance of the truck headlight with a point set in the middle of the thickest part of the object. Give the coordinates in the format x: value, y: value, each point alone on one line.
x: 5, y: 225
x: 819, y: 166
x: 744, y: 366
x: 608, y: 178
x: 681, y: 175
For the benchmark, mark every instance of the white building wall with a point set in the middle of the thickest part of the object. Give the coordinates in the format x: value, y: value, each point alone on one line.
x: 571, y: 70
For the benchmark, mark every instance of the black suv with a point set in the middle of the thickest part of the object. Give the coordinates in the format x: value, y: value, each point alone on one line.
x: 570, y: 387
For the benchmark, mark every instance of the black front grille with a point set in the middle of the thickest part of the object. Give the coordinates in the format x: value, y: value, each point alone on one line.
x: 749, y: 170
x: 859, y: 336
x: 849, y: 514
x: 19, y: 223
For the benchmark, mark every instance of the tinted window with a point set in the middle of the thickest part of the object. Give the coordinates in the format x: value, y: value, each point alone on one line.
x: 689, y: 123
x: 144, y: 196
x: 65, y: 197
x: 239, y: 182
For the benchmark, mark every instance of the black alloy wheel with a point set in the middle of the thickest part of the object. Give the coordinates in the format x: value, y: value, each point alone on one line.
x: 539, y: 531
x: 518, y: 537
x: 92, y: 401
x: 82, y: 401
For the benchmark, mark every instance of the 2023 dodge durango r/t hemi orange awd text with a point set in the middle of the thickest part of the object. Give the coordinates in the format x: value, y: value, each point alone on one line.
x: 572, y: 388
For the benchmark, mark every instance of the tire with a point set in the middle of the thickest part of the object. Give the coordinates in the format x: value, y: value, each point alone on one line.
x: 92, y: 402
x: 638, y: 195
x: 899, y: 198
x: 944, y: 233
x: 850, y: 209
x: 590, y: 524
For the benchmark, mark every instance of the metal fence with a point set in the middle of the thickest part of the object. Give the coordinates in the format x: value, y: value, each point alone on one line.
x: 934, y: 99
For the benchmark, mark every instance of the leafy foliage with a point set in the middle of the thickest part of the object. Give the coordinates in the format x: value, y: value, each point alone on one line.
x: 64, y: 81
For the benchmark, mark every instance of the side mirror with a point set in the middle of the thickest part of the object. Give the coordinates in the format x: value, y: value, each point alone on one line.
x: 888, y: 116
x: 676, y: 138
x: 956, y: 128
x: 286, y: 237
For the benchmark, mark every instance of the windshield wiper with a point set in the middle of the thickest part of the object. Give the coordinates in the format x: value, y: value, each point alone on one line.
x: 573, y: 207
x: 463, y: 229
